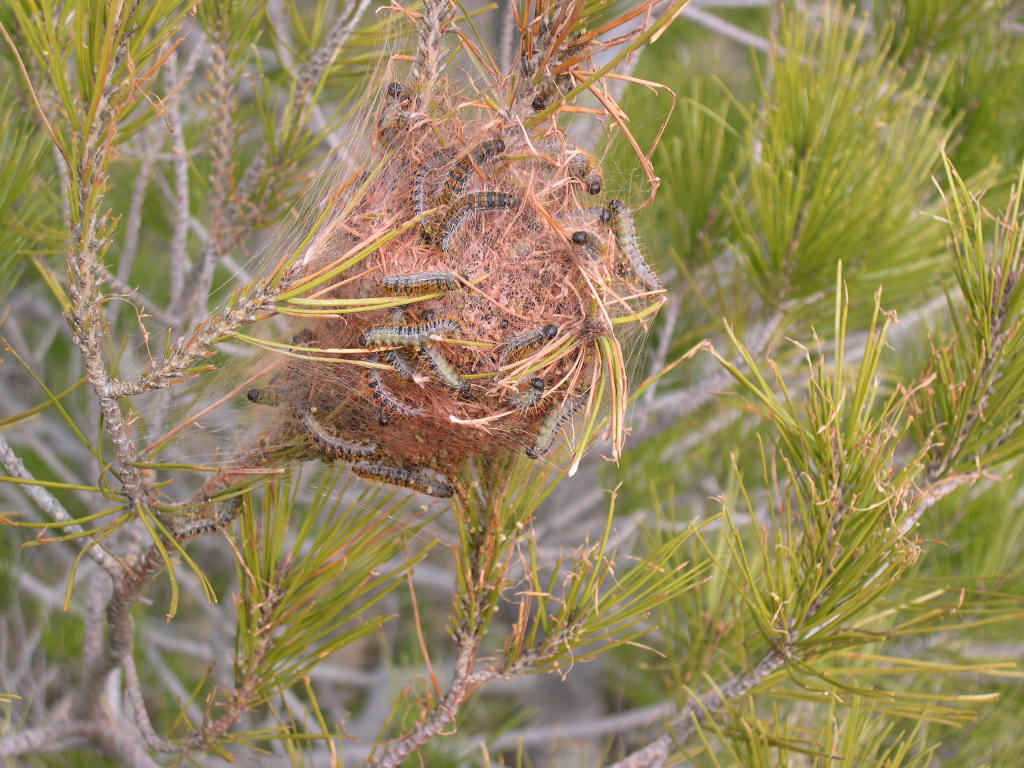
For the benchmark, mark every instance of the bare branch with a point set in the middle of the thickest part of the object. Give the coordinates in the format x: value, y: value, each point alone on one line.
x: 442, y: 715
x: 52, y: 507
x: 134, y: 689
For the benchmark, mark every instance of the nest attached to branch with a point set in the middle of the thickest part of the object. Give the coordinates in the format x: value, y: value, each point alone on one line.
x: 464, y: 290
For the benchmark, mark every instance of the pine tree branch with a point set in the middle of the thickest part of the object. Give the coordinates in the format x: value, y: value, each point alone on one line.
x: 436, y: 15
x: 594, y: 728
x: 443, y: 715
x: 178, y: 256
x: 727, y: 30
x: 307, y: 79
x: 47, y: 738
x: 52, y: 507
x: 133, y: 687
x: 695, y: 713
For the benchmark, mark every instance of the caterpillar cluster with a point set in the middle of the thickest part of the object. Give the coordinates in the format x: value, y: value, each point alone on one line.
x: 492, y: 299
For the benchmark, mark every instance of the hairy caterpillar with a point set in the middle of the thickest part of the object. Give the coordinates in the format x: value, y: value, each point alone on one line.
x: 419, y: 188
x: 583, y: 167
x: 419, y: 283
x: 443, y: 369
x: 459, y: 176
x: 547, y: 91
x: 590, y: 243
x: 335, y: 447
x: 400, y: 361
x: 475, y: 201
x: 552, y: 425
x: 228, y: 512
x: 395, y: 112
x: 406, y: 335
x: 396, y: 358
x: 625, y: 236
x: 415, y: 479
x: 523, y: 343
x: 388, y: 400
x: 530, y: 397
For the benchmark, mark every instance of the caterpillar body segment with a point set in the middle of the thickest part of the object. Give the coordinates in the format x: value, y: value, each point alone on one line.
x: 406, y: 335
x: 625, y: 235
x: 395, y: 112
x: 419, y: 188
x: 461, y: 174
x: 440, y: 281
x: 583, y: 167
x: 591, y: 244
x: 475, y: 201
x: 419, y: 179
x: 228, y: 512
x: 547, y: 92
x: 601, y: 213
x: 416, y: 479
x: 520, y: 345
x: 388, y: 400
x: 529, y: 397
x: 442, y: 369
x: 303, y: 338
x: 334, y: 447
x: 396, y: 358
x: 400, y: 361
x: 264, y: 396
x: 552, y: 426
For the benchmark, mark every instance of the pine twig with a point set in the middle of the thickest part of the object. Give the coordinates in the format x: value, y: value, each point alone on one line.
x: 696, y: 712
x: 178, y: 256
x: 436, y: 15
x: 133, y: 687
x: 442, y: 715
x: 52, y: 507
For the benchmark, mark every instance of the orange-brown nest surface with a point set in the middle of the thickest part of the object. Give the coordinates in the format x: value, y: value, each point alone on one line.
x: 490, y: 265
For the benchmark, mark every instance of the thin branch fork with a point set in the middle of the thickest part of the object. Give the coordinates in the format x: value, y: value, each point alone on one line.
x: 52, y: 507
x: 111, y: 737
x: 683, y: 725
x: 444, y: 713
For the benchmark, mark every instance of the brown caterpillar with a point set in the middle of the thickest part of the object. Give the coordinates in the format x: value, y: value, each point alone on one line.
x: 264, y: 396
x: 419, y: 188
x: 552, y: 425
x: 443, y: 369
x: 523, y: 343
x: 475, y: 201
x: 419, y: 283
x: 530, y: 397
x: 388, y: 400
x: 395, y: 113
x: 591, y: 244
x: 625, y: 236
x: 583, y: 167
x: 459, y: 176
x: 335, y: 447
x: 416, y: 479
x: 547, y: 91
x: 406, y: 335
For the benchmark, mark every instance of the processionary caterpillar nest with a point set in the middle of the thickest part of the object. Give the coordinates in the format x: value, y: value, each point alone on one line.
x: 459, y: 288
